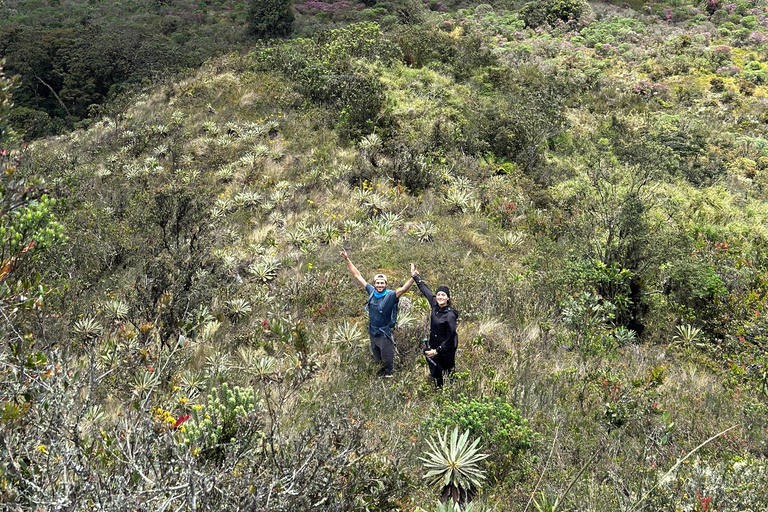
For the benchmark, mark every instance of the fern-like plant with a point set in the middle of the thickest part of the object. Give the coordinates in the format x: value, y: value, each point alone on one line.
x: 453, y: 464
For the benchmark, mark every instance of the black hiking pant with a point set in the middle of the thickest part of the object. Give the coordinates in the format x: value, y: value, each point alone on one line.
x: 383, y: 350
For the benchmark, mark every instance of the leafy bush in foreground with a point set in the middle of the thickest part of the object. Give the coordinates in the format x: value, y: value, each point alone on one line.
x: 502, y: 428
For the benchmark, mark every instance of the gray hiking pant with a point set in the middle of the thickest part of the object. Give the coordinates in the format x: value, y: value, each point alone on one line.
x: 383, y: 350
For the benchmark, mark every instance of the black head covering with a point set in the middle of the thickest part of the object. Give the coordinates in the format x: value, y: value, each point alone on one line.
x: 443, y: 289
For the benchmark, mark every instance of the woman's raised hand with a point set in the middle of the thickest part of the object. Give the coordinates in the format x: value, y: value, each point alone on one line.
x: 414, y: 270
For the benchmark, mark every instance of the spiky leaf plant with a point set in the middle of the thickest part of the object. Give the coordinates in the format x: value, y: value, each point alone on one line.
x: 248, y: 198
x: 144, y: 383
x: 88, y: 327
x: 265, y: 271
x: 424, y: 231
x: 624, y: 336
x: 375, y: 204
x: 458, y: 200
x: 511, y: 239
x: 406, y: 318
x: 453, y: 464
x: 329, y: 233
x: 115, y: 309
x: 237, y: 309
x: 265, y: 367
x: 193, y: 383
x: 452, y: 506
x: 371, y: 142
x: 542, y: 504
x: 348, y: 333
x: 393, y: 219
x: 687, y: 335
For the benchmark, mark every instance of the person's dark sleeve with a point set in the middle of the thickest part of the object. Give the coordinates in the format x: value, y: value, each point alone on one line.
x: 425, y: 290
x: 448, y: 342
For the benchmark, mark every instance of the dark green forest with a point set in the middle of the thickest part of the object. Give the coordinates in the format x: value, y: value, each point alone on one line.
x: 180, y: 332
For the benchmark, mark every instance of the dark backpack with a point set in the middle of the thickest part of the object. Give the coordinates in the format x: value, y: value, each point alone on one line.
x: 393, y: 317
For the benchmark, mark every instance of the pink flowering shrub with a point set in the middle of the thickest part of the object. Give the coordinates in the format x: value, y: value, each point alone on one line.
x: 757, y: 38
x: 728, y: 70
x: 649, y: 89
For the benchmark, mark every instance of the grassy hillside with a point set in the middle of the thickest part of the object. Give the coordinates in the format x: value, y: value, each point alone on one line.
x: 589, y: 181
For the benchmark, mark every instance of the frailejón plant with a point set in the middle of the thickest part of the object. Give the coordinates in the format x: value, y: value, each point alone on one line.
x: 453, y: 464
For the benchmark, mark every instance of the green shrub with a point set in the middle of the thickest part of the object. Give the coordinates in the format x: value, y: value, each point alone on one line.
x: 611, y: 31
x: 749, y: 21
x: 30, y: 122
x: 740, y: 484
x: 409, y: 167
x: 754, y: 72
x: 27, y: 223
x: 717, y: 84
x: 421, y: 45
x: 503, y: 430
x: 551, y: 11
x: 613, y: 283
x: 522, y: 120
x: 336, y: 49
x: 357, y: 100
x: 694, y: 285
x: 746, y: 88
x: 588, y: 315
x: 6, y: 87
x: 271, y: 18
x: 740, y: 37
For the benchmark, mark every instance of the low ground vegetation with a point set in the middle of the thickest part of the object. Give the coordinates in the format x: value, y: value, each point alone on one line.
x: 589, y: 180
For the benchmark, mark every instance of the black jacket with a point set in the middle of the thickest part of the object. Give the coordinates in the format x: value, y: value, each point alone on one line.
x: 442, y: 328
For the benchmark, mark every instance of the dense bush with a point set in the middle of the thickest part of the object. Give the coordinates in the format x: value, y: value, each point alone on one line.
x: 323, y: 70
x: 695, y: 287
x: 528, y: 114
x: 271, y: 18
x: 6, y: 88
x: 32, y: 123
x: 504, y: 433
x: 422, y: 45
x: 552, y: 11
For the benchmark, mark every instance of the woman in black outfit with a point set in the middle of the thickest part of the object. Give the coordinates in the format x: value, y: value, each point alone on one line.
x: 441, y: 346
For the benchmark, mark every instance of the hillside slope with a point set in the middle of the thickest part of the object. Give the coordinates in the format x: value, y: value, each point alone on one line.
x: 590, y: 189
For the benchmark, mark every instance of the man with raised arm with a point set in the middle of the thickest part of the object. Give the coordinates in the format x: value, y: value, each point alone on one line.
x: 381, y: 305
